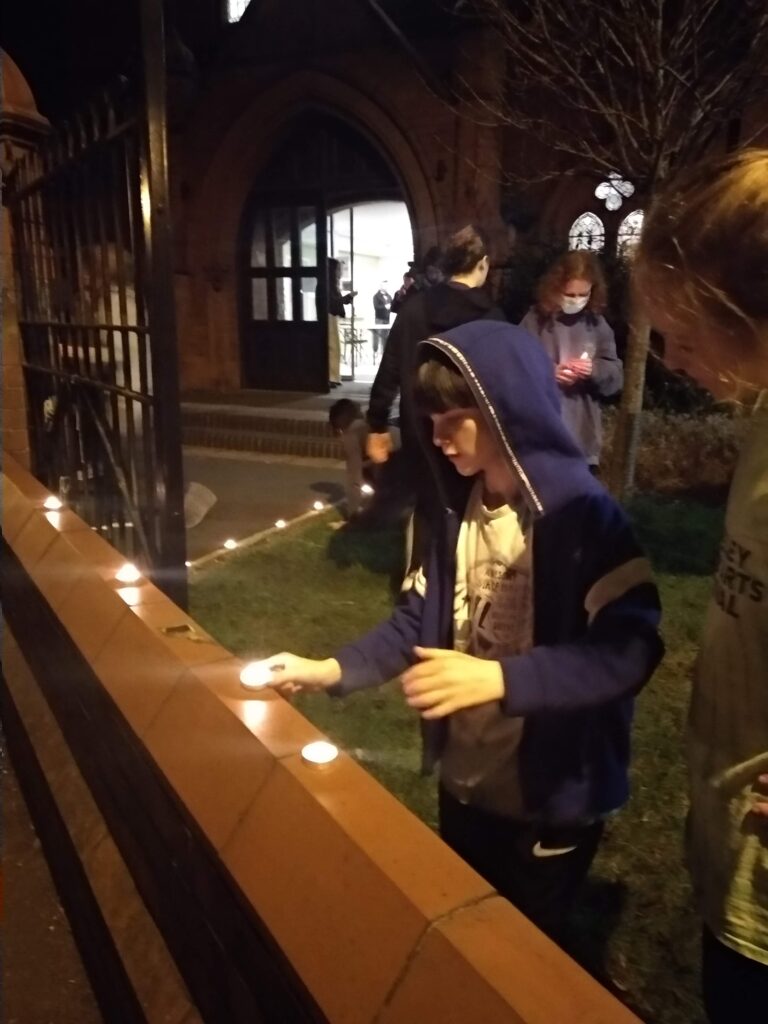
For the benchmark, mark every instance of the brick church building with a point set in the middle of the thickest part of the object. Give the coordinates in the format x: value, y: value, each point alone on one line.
x: 286, y: 117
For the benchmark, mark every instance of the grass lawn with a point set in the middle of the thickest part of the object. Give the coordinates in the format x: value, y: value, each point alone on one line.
x: 312, y: 589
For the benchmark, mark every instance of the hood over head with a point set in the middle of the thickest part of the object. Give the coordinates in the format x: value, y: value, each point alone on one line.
x: 513, y: 381
x: 449, y: 304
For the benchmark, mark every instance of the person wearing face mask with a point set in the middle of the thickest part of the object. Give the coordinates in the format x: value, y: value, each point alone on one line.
x: 567, y: 319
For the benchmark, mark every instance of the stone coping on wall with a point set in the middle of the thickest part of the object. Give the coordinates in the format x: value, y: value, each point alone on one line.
x: 378, y: 918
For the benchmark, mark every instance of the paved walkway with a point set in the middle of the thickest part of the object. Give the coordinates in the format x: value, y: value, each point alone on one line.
x: 44, y: 981
x: 253, y: 491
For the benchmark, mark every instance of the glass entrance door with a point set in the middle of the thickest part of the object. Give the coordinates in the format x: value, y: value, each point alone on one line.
x: 285, y: 295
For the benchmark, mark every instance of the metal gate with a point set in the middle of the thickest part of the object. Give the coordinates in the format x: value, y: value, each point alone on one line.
x: 89, y: 211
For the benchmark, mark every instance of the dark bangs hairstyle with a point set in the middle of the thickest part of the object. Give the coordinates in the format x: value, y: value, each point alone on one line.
x: 440, y: 385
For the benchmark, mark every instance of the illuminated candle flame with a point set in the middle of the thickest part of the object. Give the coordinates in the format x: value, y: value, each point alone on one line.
x: 366, y: 489
x: 280, y: 524
x: 128, y: 573
x: 230, y: 544
x: 52, y: 503
x: 318, y: 506
x: 258, y: 674
x: 319, y: 753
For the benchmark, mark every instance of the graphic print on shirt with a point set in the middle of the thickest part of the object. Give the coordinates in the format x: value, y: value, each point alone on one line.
x: 500, y: 608
x: 736, y: 581
x: 493, y: 618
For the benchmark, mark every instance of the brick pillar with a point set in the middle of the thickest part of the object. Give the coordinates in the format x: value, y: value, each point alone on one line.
x: 21, y: 128
x: 15, y: 436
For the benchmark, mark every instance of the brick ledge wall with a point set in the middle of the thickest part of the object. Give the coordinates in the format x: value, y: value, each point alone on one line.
x: 280, y: 892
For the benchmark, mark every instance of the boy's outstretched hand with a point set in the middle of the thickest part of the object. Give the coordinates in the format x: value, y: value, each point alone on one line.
x: 446, y: 681
x: 290, y: 673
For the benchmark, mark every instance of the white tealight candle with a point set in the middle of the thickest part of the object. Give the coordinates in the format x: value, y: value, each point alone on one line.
x: 52, y: 503
x: 127, y: 573
x: 258, y: 674
x: 280, y: 524
x: 319, y: 753
x: 230, y: 544
x: 318, y: 506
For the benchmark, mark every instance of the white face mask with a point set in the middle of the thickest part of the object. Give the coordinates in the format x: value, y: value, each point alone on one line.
x: 573, y: 305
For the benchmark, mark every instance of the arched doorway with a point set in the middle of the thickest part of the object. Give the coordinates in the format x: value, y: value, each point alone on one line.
x: 322, y: 165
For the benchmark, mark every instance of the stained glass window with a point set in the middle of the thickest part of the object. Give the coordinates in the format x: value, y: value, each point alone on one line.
x: 614, y: 191
x: 587, y: 232
x: 629, y: 233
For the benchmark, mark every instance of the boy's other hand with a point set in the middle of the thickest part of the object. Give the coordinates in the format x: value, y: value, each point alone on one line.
x: 292, y: 673
x: 378, y: 447
x: 445, y: 681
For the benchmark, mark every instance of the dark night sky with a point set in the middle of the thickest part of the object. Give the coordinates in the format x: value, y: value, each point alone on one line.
x: 68, y: 49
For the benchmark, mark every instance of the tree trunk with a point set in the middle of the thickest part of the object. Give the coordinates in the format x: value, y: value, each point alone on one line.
x: 621, y: 472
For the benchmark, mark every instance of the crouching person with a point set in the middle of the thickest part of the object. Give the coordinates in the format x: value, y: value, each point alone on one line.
x: 527, y: 633
x: 372, y: 491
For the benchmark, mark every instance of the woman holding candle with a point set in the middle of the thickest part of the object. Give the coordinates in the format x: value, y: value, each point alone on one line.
x: 567, y: 319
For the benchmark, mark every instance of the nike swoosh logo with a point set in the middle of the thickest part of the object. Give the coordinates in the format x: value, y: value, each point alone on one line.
x: 546, y: 851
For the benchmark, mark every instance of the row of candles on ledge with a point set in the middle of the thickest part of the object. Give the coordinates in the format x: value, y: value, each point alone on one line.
x: 256, y: 675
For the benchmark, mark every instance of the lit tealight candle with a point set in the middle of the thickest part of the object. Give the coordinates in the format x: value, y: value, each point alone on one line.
x: 230, y: 544
x: 127, y: 573
x: 52, y: 503
x: 319, y: 753
x: 318, y: 506
x: 280, y: 524
x: 188, y: 564
x: 366, y: 489
x: 258, y: 674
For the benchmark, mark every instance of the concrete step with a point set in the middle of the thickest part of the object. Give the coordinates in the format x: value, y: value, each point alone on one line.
x: 277, y: 421
x: 251, y: 437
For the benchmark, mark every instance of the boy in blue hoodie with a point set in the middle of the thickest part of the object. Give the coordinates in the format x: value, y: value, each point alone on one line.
x: 524, y: 638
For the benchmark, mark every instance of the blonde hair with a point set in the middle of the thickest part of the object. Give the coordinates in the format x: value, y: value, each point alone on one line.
x: 577, y: 264
x: 703, y: 252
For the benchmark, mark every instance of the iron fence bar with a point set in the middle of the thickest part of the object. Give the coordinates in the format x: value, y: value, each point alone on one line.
x: 125, y: 329
x: 90, y: 214
x: 165, y: 376
x: 89, y: 382
x: 137, y: 242
x: 122, y: 306
x: 37, y: 181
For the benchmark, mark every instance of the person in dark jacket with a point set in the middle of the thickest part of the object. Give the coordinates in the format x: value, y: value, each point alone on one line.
x: 527, y: 632
x: 438, y: 308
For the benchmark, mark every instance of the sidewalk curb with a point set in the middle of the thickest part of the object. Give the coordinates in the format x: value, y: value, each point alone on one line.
x: 255, y: 538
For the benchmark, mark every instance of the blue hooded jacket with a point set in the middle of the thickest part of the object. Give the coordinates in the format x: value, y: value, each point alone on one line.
x: 596, y: 608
